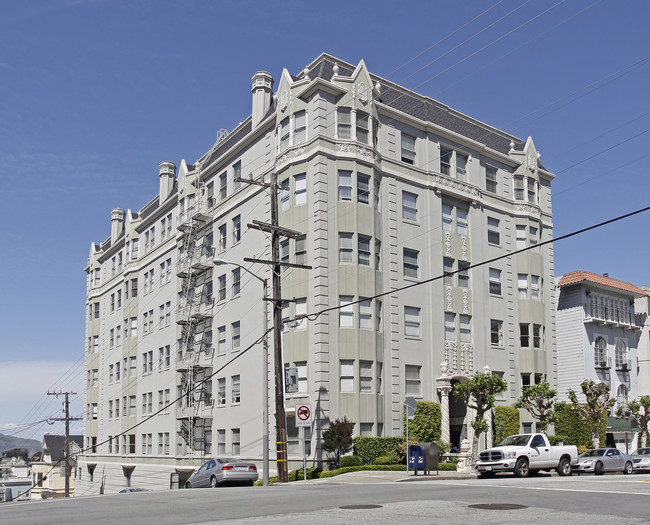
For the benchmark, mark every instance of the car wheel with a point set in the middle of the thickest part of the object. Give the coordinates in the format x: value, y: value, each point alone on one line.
x: 564, y: 468
x: 213, y: 482
x: 628, y: 468
x: 187, y: 485
x: 599, y: 470
x: 521, y: 468
x: 251, y: 483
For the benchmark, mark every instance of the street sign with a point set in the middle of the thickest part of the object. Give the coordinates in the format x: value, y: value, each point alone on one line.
x: 410, y: 406
x: 303, y: 416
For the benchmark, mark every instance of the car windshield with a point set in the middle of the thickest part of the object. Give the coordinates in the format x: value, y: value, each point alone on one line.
x: 593, y: 453
x: 519, y: 440
x: 643, y: 452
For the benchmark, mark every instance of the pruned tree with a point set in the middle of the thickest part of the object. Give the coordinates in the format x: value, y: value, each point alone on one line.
x: 337, y: 439
x: 594, y: 411
x: 538, y: 400
x: 478, y: 394
x: 639, y: 411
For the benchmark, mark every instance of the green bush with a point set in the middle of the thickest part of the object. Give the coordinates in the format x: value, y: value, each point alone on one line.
x: 382, y: 460
x: 370, y: 448
x: 297, y: 475
x: 350, y: 461
x: 570, y: 426
x: 426, y: 425
x: 506, y: 421
x: 447, y: 466
x: 557, y: 438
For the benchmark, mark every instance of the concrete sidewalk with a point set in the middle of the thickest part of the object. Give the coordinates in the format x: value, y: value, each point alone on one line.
x: 386, y: 476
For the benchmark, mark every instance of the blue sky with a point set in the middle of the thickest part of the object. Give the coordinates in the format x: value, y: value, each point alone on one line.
x: 95, y: 94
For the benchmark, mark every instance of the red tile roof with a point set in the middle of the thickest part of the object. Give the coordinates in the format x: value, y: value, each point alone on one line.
x: 581, y: 275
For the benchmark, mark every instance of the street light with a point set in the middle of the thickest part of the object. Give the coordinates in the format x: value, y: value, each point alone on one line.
x: 265, y: 370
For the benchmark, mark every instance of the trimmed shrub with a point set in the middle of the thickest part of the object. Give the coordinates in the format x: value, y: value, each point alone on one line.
x: 370, y: 448
x: 382, y: 460
x: 506, y: 421
x: 426, y: 425
x: 331, y: 473
x: 571, y: 427
x: 350, y: 461
x: 447, y: 466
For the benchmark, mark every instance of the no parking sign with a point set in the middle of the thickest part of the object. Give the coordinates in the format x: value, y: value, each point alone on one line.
x: 303, y: 416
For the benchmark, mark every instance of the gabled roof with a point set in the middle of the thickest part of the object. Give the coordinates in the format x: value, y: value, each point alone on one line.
x: 603, y: 280
x: 55, y: 445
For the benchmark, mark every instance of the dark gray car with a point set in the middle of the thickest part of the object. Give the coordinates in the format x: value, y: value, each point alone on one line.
x: 220, y: 471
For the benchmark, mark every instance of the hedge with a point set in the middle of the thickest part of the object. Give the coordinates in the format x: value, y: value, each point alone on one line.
x: 506, y: 421
x: 371, y: 448
x: 426, y: 424
x: 570, y: 427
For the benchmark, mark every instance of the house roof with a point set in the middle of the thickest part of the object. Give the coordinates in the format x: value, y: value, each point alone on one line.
x: 580, y: 276
x: 55, y: 444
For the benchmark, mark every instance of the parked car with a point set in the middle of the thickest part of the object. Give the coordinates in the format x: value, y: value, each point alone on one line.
x: 217, y: 472
x: 641, y: 459
x: 601, y: 460
x: 525, y: 454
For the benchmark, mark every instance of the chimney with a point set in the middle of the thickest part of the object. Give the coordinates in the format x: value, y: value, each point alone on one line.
x: 117, y: 224
x: 262, y: 95
x: 167, y: 171
x: 605, y: 275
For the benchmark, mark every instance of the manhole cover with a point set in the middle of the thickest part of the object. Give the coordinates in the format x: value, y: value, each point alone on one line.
x: 498, y: 506
x: 358, y: 507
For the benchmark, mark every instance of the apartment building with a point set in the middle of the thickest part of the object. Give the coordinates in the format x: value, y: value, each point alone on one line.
x: 398, y: 200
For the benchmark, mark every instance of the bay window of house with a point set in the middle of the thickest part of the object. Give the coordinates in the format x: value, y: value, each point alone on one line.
x: 363, y: 255
x: 299, y: 127
x: 95, y: 310
x: 524, y: 335
x: 413, y: 383
x: 365, y: 377
x: 519, y: 187
x: 409, y: 206
x: 461, y: 221
x: 520, y: 236
x: 537, y: 336
x: 411, y: 321
x: 284, y: 133
x: 447, y: 217
x: 410, y: 263
x: 346, y: 375
x: 463, y: 274
x: 363, y: 189
x: 345, y: 248
x: 534, y: 287
x: 408, y: 148
x: 496, y: 332
x: 345, y: 185
x: 346, y: 311
x: 362, y: 127
x: 522, y: 285
x: 300, y: 190
x: 493, y: 231
x: 447, y: 271
x: 532, y: 235
x: 344, y: 123
x: 365, y: 314
x: 491, y: 179
x: 532, y: 190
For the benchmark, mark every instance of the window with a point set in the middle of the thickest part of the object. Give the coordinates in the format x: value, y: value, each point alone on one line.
x: 300, y: 190
x: 134, y: 287
x: 112, y: 302
x: 96, y: 310
x: 521, y: 237
x: 300, y: 309
x: 300, y: 250
x: 132, y: 408
x: 221, y: 391
x: 284, y: 134
x: 236, y: 337
x: 299, y: 127
x: 222, y: 287
x: 408, y: 148
x: 522, y: 285
x: 411, y: 321
x: 600, y: 353
x: 377, y: 254
x: 534, y: 287
x: 221, y: 341
x: 493, y: 231
x: 363, y: 189
x: 222, y: 237
x: 447, y: 270
x: 620, y: 355
x: 236, y: 281
x: 495, y: 281
x: 347, y: 376
x: 450, y: 326
x: 447, y: 217
x: 221, y: 441
x: 236, y: 436
x: 362, y: 127
x: 524, y: 335
x: 519, y: 187
x: 236, y: 390
x: 537, y: 336
x: 622, y: 396
x: 302, y: 376
x: 223, y: 186
x: 236, y: 174
x: 409, y: 206
x: 346, y: 312
x: 445, y: 161
x: 344, y: 123
x: 490, y: 179
x: 345, y: 185
x: 465, y: 322
x: 461, y: 164
x: 496, y: 332
x: 365, y: 377
x: 410, y: 259
x: 345, y: 248
x: 461, y: 221
x: 236, y: 229
x: 412, y: 380
x: 365, y: 314
x: 284, y: 253
x: 284, y: 195
x: 532, y: 235
x: 532, y: 190
x: 463, y: 274
x: 364, y: 250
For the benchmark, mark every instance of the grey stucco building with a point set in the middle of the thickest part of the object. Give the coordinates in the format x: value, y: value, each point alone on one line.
x: 389, y: 188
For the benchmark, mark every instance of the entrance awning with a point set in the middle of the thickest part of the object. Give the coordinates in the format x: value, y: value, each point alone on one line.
x: 617, y: 424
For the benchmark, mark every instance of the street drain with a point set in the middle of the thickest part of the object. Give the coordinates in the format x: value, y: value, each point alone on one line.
x: 359, y: 507
x: 498, y: 506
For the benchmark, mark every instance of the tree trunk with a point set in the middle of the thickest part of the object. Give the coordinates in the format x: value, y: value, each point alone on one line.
x: 475, y: 441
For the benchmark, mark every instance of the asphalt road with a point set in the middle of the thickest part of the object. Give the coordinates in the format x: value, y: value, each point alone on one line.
x: 610, y: 499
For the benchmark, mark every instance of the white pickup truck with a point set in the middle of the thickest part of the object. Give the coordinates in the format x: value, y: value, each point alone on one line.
x: 526, y: 454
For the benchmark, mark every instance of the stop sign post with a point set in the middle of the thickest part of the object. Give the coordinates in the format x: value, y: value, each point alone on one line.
x: 304, y: 419
x: 410, y: 406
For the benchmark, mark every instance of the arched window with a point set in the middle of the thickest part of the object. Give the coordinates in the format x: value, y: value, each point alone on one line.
x: 621, y: 355
x: 600, y: 353
x: 621, y: 395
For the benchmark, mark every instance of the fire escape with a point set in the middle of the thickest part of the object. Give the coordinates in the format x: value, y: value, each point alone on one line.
x: 194, y: 317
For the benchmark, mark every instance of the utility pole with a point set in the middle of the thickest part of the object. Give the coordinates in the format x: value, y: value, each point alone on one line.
x: 67, y: 420
x: 276, y: 231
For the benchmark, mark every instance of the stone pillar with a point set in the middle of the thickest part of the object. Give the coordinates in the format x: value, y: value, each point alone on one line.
x: 489, y: 436
x: 443, y: 384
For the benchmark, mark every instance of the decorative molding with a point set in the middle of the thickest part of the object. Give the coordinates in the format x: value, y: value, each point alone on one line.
x: 451, y: 355
x: 463, y: 248
x: 450, y: 299
x: 465, y: 301
x: 467, y: 353
x: 345, y: 147
x: 529, y: 208
x: 439, y: 179
x: 362, y: 92
x: 447, y: 244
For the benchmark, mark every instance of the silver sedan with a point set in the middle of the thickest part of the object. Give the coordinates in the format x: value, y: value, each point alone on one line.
x: 641, y: 459
x: 217, y: 472
x: 601, y: 460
